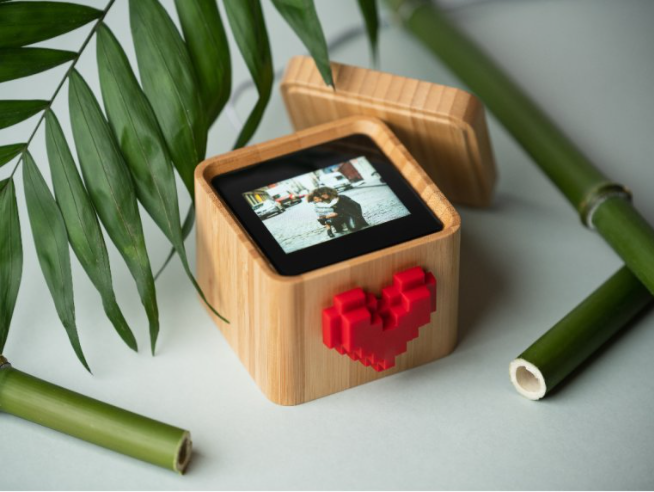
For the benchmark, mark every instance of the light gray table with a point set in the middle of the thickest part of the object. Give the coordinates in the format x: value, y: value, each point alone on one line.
x: 456, y: 423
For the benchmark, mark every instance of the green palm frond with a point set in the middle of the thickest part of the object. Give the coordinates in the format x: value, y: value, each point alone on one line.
x: 130, y: 151
x: 371, y: 18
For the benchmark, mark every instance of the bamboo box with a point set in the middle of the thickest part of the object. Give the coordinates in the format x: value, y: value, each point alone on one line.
x: 276, y: 321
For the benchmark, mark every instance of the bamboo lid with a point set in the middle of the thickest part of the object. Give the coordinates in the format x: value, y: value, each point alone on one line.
x: 444, y: 128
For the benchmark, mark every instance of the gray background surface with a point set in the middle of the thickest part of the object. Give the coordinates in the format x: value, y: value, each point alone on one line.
x: 456, y: 423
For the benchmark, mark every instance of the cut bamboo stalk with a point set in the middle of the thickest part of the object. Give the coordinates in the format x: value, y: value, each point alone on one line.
x: 108, y: 426
x: 601, y: 203
x: 550, y: 359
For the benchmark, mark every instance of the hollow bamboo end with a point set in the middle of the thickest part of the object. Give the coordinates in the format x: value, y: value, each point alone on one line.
x: 527, y: 379
x: 184, y: 452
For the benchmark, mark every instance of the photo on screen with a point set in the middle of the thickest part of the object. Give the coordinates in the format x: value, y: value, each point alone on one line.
x: 326, y: 204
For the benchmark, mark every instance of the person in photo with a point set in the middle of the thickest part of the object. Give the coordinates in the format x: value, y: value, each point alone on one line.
x: 324, y: 211
x: 347, y: 211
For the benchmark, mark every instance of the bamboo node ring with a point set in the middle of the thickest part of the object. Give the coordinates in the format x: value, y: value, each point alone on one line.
x: 597, y: 197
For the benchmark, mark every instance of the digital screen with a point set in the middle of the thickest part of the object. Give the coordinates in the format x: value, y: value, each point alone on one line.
x: 325, y: 204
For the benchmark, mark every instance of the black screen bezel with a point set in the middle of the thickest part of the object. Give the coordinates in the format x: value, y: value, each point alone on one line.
x: 420, y: 222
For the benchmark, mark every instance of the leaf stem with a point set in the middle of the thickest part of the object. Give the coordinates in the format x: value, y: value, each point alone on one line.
x: 61, y: 84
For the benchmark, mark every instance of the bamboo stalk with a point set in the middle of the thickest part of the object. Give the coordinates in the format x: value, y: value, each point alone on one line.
x: 626, y: 231
x: 601, y: 204
x: 585, y: 187
x: 108, y: 426
x: 572, y: 340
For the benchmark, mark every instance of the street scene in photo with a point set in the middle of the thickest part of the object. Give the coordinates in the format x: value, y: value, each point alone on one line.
x: 325, y: 204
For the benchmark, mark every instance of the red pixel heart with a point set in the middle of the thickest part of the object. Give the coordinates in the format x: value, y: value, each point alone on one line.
x: 375, y: 331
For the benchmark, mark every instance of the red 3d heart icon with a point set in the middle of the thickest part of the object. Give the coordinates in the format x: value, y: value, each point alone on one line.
x: 375, y: 331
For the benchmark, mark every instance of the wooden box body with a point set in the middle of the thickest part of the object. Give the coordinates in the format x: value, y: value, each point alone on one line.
x: 275, y: 321
x: 443, y: 128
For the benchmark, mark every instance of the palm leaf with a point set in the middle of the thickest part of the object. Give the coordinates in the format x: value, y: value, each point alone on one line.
x: 249, y: 30
x: 51, y: 243
x: 12, y: 112
x: 23, y: 23
x: 11, y: 256
x: 207, y: 44
x: 371, y: 17
x: 8, y: 152
x: 187, y: 227
x: 301, y: 15
x: 111, y: 189
x: 139, y: 136
x: 84, y: 233
x: 16, y: 63
x: 186, y: 83
x: 169, y: 82
x: 131, y: 117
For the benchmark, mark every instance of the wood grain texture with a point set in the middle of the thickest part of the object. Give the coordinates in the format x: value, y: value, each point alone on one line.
x: 443, y: 128
x: 275, y: 321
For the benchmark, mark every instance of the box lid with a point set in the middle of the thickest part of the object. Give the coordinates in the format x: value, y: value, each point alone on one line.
x: 444, y: 128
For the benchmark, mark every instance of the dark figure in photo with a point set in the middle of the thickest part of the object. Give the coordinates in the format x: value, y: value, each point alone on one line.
x: 324, y: 211
x: 348, y: 211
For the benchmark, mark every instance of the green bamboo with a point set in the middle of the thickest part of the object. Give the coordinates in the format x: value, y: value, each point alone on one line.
x: 575, y: 176
x: 572, y: 340
x: 601, y: 204
x: 627, y: 232
x: 111, y: 427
